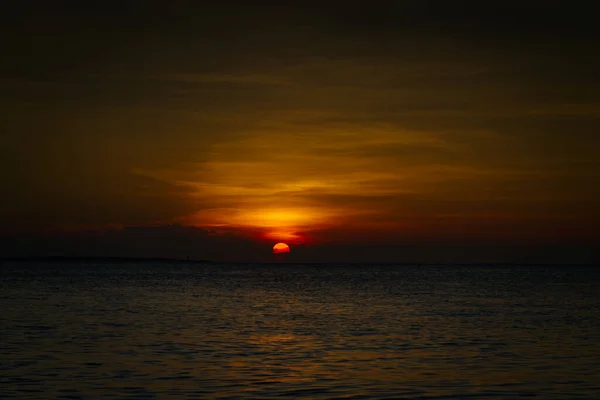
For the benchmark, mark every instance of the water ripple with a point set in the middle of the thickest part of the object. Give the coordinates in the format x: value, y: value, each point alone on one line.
x: 236, y: 332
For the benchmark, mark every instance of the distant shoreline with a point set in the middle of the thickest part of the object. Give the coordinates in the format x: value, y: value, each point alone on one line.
x: 65, y: 259
x: 132, y: 260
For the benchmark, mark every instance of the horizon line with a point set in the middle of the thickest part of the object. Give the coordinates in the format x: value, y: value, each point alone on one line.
x: 119, y: 259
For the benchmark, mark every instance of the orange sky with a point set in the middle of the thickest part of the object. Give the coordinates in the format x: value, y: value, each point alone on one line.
x: 308, y: 129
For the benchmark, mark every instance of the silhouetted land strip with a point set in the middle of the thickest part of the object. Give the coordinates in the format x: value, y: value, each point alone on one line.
x: 132, y: 260
x: 116, y: 260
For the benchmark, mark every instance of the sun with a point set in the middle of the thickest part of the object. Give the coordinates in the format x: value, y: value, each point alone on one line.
x: 281, y: 248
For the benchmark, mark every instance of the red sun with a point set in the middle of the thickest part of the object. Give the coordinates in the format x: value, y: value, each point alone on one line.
x: 281, y: 248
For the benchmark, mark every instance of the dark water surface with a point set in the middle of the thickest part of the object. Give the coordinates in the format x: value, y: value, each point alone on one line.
x: 323, y: 332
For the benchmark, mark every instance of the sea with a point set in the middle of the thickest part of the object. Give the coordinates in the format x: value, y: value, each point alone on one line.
x: 160, y: 330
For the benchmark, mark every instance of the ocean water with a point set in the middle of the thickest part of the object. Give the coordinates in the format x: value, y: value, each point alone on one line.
x: 144, y: 331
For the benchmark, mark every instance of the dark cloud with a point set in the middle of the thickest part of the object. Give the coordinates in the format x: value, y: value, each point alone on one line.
x: 170, y: 241
x: 175, y: 241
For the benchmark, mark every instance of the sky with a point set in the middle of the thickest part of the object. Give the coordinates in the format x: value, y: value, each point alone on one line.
x: 406, y: 131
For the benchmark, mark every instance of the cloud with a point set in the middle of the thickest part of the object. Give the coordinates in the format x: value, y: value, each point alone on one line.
x: 335, y: 124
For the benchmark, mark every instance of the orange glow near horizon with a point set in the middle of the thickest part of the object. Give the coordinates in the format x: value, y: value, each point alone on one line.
x: 289, y: 235
x: 278, y: 224
x: 281, y: 224
x: 278, y: 218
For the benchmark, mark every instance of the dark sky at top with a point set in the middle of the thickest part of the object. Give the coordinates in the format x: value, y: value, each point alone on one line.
x: 383, y: 131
